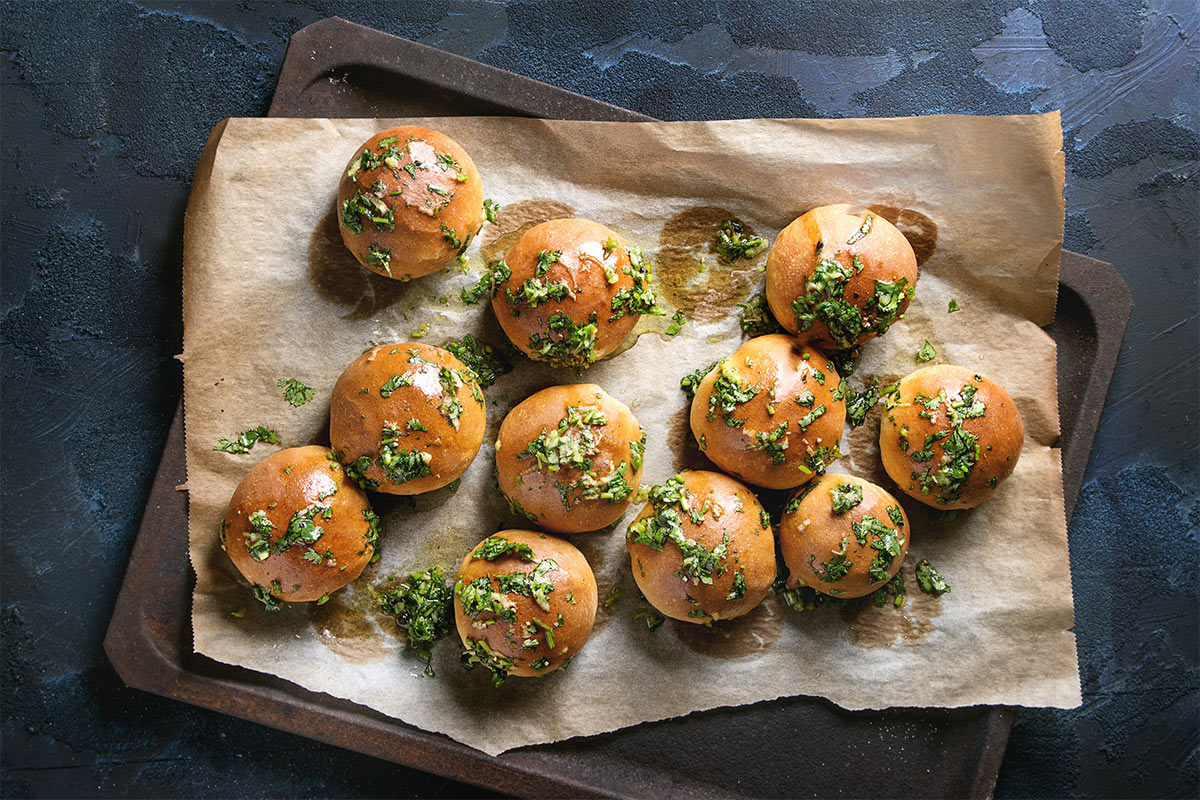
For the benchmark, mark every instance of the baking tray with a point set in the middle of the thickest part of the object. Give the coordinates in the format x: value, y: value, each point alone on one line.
x: 794, y: 746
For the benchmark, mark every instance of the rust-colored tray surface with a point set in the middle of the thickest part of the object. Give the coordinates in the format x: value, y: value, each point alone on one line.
x: 796, y: 746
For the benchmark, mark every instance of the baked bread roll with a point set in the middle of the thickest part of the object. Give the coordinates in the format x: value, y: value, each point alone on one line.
x: 407, y: 418
x: 524, y: 604
x: 837, y: 277
x: 702, y: 549
x: 771, y: 414
x: 949, y: 436
x: 409, y: 202
x: 297, y: 529
x: 842, y: 536
x: 570, y: 458
x: 574, y: 291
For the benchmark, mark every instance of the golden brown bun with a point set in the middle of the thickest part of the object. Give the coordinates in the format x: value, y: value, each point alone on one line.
x: 746, y: 570
x: 427, y: 229
x: 586, y: 266
x: 739, y: 441
x: 300, y: 480
x: 532, y: 485
x: 572, y: 577
x: 359, y: 413
x: 833, y: 232
x: 917, y: 467
x: 822, y: 548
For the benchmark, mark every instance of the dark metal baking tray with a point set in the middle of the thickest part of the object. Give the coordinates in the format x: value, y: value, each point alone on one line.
x: 794, y: 746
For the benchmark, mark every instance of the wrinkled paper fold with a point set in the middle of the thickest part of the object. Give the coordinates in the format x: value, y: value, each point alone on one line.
x: 270, y: 293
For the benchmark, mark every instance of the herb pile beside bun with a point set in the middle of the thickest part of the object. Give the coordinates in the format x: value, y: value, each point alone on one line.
x: 409, y: 202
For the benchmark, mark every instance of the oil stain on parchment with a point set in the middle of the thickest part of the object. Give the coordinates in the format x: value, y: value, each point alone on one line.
x: 513, y: 220
x: 691, y: 275
x: 335, y: 275
x: 747, y: 635
x: 870, y: 626
x: 344, y: 623
x: 920, y: 230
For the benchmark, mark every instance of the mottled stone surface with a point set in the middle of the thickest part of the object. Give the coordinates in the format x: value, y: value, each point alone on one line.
x: 106, y: 107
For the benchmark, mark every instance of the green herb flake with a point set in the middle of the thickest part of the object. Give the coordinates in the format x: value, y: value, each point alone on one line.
x: 423, y: 605
x: 295, y: 392
x: 246, y: 440
x: 930, y: 581
x: 489, y: 283
x: 953, y: 306
x: 757, y: 319
x: 926, y: 353
x: 490, y: 209
x: 652, y: 619
x: 678, y: 320
x: 690, y: 382
x: 400, y: 465
x: 733, y: 242
x: 846, y: 496
x: 493, y: 547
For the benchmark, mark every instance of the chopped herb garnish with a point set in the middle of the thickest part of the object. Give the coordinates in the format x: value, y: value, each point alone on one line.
x: 490, y: 209
x: 739, y: 587
x: 729, y: 391
x: 637, y: 450
x: 846, y: 496
x: 860, y: 404
x: 678, y: 320
x: 769, y: 442
x: 863, y: 230
x: 835, y: 568
x: 302, y: 529
x: 930, y: 581
x: 371, y: 536
x: 484, y: 360
x: 493, y: 547
x: 380, y: 257
x: 808, y: 419
x: 733, y: 242
x: 295, y: 392
x: 489, y: 283
x: 478, y: 652
x: 422, y: 605
x: 415, y: 424
x: 652, y: 619
x: 574, y: 348
x: 667, y: 500
x: 953, y: 306
x: 393, y: 383
x: 757, y: 319
x: 926, y: 353
x: 689, y: 383
x: 246, y: 440
x: 258, y: 538
x: 400, y: 465
x: 268, y: 597
x: 356, y: 471
x: 640, y: 298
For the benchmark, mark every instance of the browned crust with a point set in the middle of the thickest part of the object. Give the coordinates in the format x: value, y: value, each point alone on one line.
x: 536, y: 490
x: 778, y: 361
x: 418, y: 245
x: 751, y: 551
x: 358, y: 413
x: 1000, y: 431
x: 884, y: 253
x: 812, y: 533
x: 574, y: 576
x: 582, y: 267
x: 281, y: 485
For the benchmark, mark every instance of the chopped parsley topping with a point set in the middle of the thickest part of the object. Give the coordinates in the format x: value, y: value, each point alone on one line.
x: 415, y: 424
x: 478, y: 652
x: 896, y: 516
x: 640, y: 298
x: 757, y: 319
x: 637, y: 451
x: 488, y: 284
x: 953, y: 306
x: 860, y: 404
x: 246, y: 440
x: 422, y: 604
x: 739, y: 587
x: 930, y: 581
x: 356, y: 471
x: 533, y: 584
x: 666, y: 524
x: 652, y: 619
x: 380, y: 257
x: 835, y: 568
x: 400, y: 465
x: 371, y: 536
x: 268, y: 597
x: 302, y: 529
x: 863, y: 230
x: 893, y: 592
x: 534, y: 292
x: 295, y: 392
x: 678, y: 320
x: 258, y: 538
x: 393, y: 383
x: 960, y: 447
x: 574, y: 348
x: 451, y: 236
x: 926, y: 353
x: 493, y: 547
x: 846, y: 496
x: 733, y: 242
x: 728, y: 392
x: 481, y: 358
x: 689, y: 383
x: 809, y: 418
x: 490, y: 209
x: 769, y: 442
x: 820, y: 458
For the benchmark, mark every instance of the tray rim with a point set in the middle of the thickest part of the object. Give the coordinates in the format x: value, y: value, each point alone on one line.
x: 143, y: 663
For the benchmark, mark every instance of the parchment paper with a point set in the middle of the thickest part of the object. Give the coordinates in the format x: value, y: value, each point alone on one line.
x: 269, y: 293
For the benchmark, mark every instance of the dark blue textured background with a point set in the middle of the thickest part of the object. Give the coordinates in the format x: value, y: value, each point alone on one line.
x: 106, y: 107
